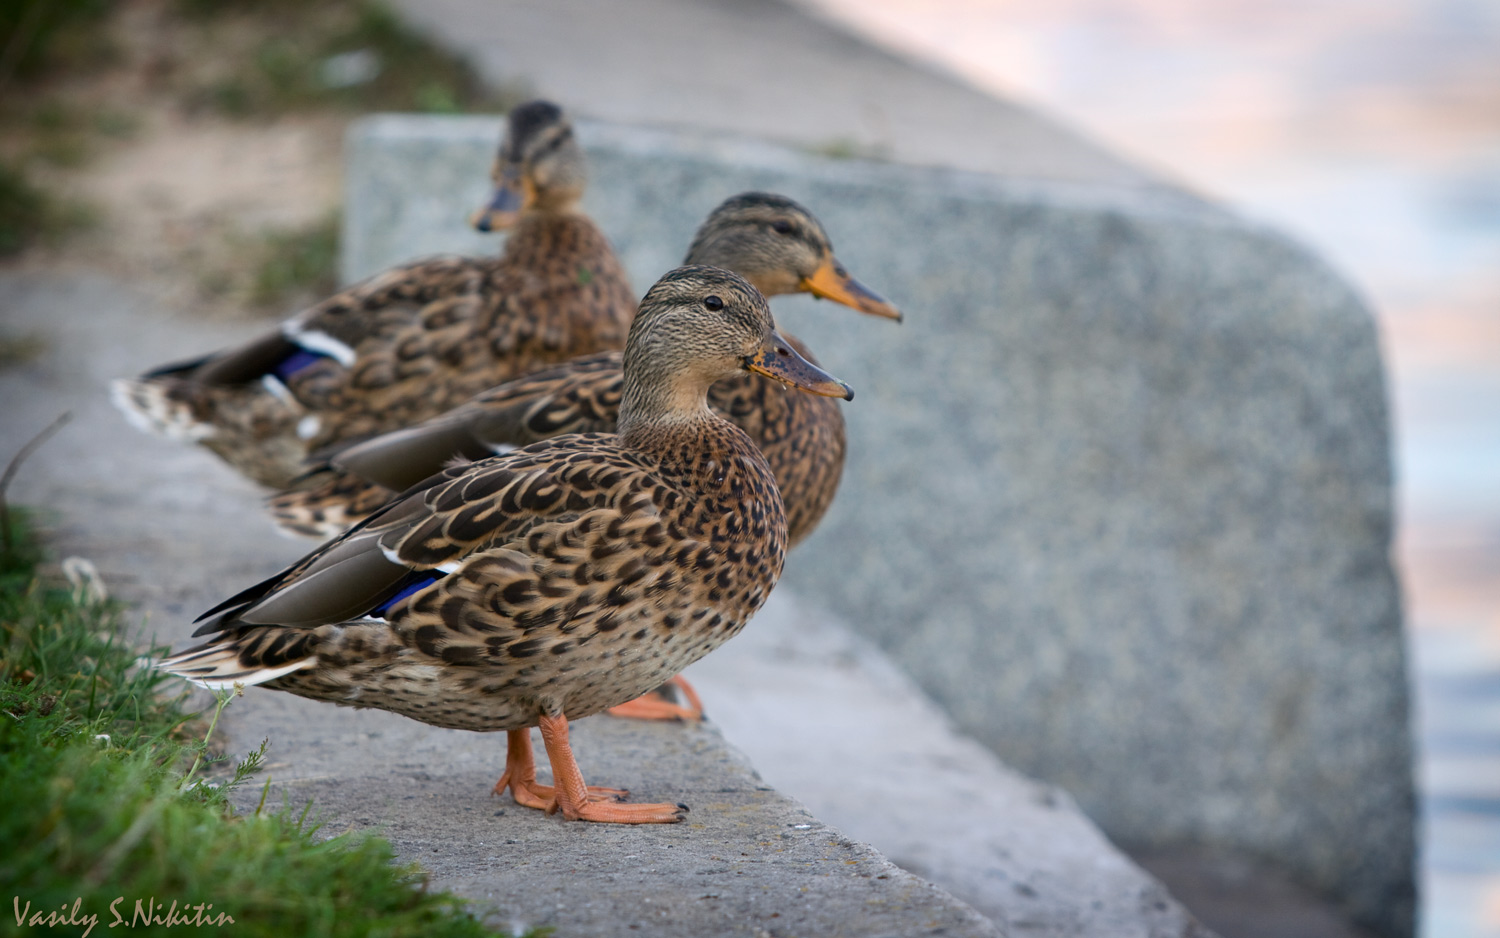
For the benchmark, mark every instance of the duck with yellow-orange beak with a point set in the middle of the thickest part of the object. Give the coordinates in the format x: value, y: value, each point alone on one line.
x: 781, y: 247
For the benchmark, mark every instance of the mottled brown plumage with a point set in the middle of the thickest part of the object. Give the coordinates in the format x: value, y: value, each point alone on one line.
x: 770, y: 240
x: 416, y: 340
x: 551, y: 582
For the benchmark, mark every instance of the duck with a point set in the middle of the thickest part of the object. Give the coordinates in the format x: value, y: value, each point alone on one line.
x: 540, y: 586
x: 415, y: 340
x: 773, y: 242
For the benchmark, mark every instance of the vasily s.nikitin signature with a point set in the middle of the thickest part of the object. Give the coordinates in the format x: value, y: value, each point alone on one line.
x: 147, y: 912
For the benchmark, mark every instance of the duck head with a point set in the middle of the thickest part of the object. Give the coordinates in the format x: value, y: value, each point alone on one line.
x: 539, y: 167
x: 781, y: 248
x: 698, y: 325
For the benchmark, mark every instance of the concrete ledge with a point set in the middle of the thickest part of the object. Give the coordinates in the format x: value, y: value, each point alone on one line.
x: 829, y: 718
x: 748, y: 861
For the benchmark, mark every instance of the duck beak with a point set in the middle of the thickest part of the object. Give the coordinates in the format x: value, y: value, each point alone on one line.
x: 505, y: 205
x: 778, y: 361
x: 832, y: 282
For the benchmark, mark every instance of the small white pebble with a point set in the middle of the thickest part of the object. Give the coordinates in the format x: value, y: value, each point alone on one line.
x: 348, y: 69
x: 83, y: 576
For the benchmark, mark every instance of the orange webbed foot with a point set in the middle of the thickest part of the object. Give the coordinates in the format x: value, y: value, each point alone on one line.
x: 537, y: 795
x: 655, y: 706
x: 629, y: 813
x: 572, y: 795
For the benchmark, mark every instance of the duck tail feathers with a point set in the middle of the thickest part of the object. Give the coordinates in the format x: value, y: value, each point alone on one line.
x: 326, y: 503
x: 150, y: 405
x: 217, y: 665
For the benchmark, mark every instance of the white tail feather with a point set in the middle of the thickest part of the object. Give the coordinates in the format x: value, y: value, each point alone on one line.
x: 148, y: 407
x: 320, y: 342
x: 216, y: 666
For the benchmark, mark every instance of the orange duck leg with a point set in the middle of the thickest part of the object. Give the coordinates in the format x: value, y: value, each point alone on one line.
x: 520, y: 777
x: 576, y: 800
x: 655, y: 706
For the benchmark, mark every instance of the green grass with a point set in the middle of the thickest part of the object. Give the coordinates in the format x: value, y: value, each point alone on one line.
x: 38, y: 37
x: 66, y: 135
x: 20, y: 348
x: 244, y: 59
x: 25, y: 210
x: 848, y: 148
x: 297, y: 261
x: 30, y: 214
x: 101, y: 775
x: 354, y: 55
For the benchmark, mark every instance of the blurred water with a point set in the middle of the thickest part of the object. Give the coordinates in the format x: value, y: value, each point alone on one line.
x: 1370, y: 129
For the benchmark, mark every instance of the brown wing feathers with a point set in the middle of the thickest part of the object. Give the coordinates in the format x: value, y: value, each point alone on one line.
x: 579, y: 397
x: 450, y: 517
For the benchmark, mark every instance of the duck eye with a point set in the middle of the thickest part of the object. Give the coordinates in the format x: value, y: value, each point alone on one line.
x: 713, y: 302
x: 782, y: 226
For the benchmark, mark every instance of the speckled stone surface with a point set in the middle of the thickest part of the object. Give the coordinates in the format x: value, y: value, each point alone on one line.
x: 748, y: 861
x: 1118, y: 492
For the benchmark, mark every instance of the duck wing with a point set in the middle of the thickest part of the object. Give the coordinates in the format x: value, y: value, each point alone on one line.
x: 579, y: 396
x: 433, y: 528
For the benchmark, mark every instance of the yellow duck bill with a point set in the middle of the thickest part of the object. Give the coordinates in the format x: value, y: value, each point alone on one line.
x: 832, y: 282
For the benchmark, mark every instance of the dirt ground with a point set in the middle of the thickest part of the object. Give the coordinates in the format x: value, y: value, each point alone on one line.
x: 181, y: 197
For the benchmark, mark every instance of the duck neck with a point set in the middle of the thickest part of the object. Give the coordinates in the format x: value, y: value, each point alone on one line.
x: 541, y: 234
x: 651, y: 413
x: 554, y: 202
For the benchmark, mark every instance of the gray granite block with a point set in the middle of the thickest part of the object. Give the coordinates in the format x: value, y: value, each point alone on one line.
x: 1118, y: 493
x: 831, y: 720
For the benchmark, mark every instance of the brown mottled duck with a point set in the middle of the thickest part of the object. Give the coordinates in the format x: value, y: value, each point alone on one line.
x: 416, y: 340
x: 554, y: 581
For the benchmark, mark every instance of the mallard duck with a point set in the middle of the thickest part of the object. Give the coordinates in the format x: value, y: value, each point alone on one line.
x: 546, y: 584
x: 416, y: 340
x: 776, y: 244
x: 771, y: 241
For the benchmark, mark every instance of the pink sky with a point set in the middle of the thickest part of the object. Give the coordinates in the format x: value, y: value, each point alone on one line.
x: 1360, y: 125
